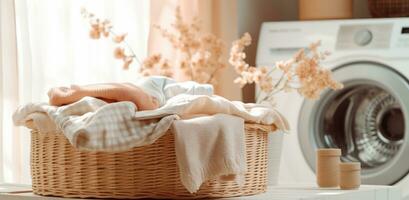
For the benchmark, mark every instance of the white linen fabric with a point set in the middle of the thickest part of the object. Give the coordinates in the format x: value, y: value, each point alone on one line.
x: 210, y: 147
x: 93, y: 124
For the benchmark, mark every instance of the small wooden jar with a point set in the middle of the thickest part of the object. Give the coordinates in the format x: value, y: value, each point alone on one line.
x: 327, y: 168
x: 350, y: 175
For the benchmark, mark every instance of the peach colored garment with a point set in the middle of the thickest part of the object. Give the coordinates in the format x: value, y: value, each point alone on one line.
x: 110, y: 92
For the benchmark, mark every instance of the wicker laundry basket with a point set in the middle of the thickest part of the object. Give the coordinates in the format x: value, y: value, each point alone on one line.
x: 58, y: 169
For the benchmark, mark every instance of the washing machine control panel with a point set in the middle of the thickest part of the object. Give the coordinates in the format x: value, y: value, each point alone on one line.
x: 372, y: 38
x: 368, y: 36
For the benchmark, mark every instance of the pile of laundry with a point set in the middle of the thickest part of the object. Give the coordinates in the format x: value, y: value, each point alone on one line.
x: 119, y: 116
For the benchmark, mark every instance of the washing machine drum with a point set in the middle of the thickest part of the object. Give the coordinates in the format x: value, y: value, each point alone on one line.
x: 368, y: 120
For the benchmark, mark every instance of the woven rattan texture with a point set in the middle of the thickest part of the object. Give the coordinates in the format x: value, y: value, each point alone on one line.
x: 58, y: 169
x: 389, y: 8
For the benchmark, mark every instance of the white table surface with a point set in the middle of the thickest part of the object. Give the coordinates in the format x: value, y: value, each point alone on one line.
x: 281, y: 192
x: 312, y: 192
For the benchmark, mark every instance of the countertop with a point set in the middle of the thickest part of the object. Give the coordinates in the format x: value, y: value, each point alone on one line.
x: 288, y: 191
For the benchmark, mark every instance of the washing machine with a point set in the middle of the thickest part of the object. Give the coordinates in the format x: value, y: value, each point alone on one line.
x: 368, y: 119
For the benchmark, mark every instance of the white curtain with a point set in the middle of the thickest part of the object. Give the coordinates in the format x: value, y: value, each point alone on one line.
x: 45, y: 44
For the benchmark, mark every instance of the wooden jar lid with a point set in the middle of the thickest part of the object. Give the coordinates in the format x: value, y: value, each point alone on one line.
x: 350, y: 166
x: 329, y: 152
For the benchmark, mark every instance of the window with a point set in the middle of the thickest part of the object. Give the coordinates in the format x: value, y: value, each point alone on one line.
x: 45, y: 44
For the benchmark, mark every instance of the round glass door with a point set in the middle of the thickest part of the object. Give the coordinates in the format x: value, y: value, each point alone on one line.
x: 367, y: 119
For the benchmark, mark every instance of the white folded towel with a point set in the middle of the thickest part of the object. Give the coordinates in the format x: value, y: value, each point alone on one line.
x: 188, y: 87
x: 164, y: 88
x: 155, y: 86
x: 209, y: 147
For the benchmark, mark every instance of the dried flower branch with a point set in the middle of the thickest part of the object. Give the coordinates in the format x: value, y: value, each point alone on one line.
x: 104, y: 28
x: 201, y: 57
x: 302, y: 73
x: 200, y: 53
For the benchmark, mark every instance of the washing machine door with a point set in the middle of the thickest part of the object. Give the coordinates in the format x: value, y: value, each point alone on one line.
x: 367, y: 119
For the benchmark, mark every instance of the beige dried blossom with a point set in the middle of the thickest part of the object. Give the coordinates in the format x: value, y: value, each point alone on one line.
x: 127, y: 61
x: 302, y: 73
x: 119, y: 53
x: 94, y: 34
x: 104, y: 28
x: 99, y: 28
x: 156, y: 65
x: 248, y: 74
x: 119, y: 38
x: 151, y: 61
x: 237, y: 54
